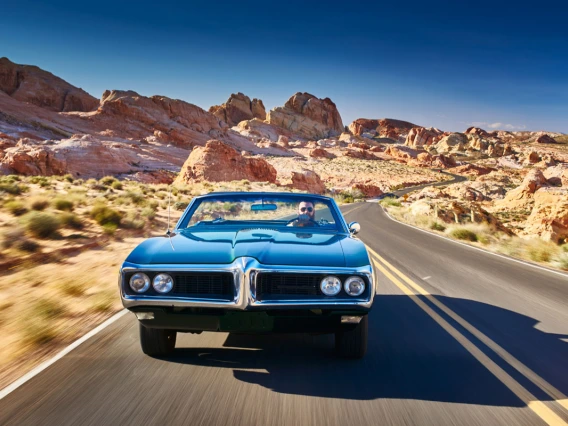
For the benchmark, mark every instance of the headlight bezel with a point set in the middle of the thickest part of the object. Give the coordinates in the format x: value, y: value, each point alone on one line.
x: 146, y: 279
x: 160, y: 276
x: 349, y: 280
x: 325, y: 279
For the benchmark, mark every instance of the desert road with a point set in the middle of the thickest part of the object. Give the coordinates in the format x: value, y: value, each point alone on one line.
x: 456, y: 337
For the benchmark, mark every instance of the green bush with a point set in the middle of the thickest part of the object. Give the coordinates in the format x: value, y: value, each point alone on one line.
x: 104, y: 215
x: 71, y: 220
x: 148, y: 213
x: 463, y: 234
x: 63, y: 204
x: 12, y: 188
x: 108, y: 180
x: 109, y: 228
x: 437, y: 226
x: 117, y: 185
x: 39, y: 203
x: 41, y: 225
x: 180, y: 205
x: 15, y: 207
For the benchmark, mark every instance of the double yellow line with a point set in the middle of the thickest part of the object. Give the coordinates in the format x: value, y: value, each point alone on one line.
x: 413, y: 290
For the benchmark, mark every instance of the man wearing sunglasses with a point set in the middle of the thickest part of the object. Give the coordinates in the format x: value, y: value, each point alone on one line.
x: 306, y: 215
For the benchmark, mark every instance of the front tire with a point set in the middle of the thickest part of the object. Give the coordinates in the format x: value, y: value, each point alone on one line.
x: 353, y: 344
x: 157, y: 342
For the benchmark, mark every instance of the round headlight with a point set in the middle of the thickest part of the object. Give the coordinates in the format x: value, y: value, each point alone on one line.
x: 163, y: 283
x: 139, y: 282
x: 330, y: 285
x: 354, y: 286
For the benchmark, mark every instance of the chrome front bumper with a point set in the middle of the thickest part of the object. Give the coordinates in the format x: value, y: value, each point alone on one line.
x: 245, y: 270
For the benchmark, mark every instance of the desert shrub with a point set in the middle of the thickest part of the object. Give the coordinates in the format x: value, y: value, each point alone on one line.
x: 10, y: 237
x: 38, y: 332
x: 97, y: 187
x: 16, y: 207
x: 41, y: 225
x: 149, y: 213
x: 47, y: 308
x: 63, y: 204
x: 12, y: 188
x: 70, y: 220
x: 104, y: 215
x: 78, y: 182
x: 180, y: 205
x: 103, y: 301
x: 73, y: 286
x: 108, y: 180
x: 117, y: 185
x: 136, y: 197
x: 230, y: 207
x: 540, y: 251
x: 390, y: 202
x: 437, y: 226
x: 68, y: 177
x: 561, y: 260
x: 109, y: 228
x: 132, y: 221
x: 39, y: 203
x: 463, y: 234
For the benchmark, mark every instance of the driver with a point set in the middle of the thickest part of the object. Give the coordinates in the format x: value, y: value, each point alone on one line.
x: 306, y: 214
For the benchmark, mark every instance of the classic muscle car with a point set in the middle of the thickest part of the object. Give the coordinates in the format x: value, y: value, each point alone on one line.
x: 252, y: 262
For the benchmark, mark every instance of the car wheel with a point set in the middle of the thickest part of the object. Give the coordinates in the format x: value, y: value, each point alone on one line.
x: 353, y: 343
x: 157, y: 342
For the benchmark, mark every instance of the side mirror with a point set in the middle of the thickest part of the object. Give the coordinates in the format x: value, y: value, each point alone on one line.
x: 354, y: 228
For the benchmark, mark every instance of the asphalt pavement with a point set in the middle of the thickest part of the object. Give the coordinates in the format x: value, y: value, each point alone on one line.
x: 457, y: 337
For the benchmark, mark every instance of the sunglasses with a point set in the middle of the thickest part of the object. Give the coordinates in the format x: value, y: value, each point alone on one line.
x: 309, y: 209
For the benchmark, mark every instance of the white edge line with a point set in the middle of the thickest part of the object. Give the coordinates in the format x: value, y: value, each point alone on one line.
x: 28, y: 376
x: 562, y: 274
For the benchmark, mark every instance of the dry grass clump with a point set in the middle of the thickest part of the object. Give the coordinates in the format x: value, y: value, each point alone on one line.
x: 105, y: 215
x: 533, y: 249
x: 390, y: 202
x: 39, y: 203
x: 15, y: 238
x: 71, y: 220
x: 103, y: 301
x: 74, y: 286
x: 63, y: 204
x: 41, y: 225
x: 38, y: 326
x: 16, y: 207
x: 461, y: 233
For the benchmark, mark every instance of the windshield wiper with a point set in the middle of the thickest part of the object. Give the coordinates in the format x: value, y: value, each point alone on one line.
x: 218, y: 220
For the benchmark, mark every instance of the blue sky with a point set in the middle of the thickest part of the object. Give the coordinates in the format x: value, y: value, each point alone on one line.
x: 443, y: 64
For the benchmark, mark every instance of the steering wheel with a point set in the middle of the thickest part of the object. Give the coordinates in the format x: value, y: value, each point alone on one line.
x: 310, y: 221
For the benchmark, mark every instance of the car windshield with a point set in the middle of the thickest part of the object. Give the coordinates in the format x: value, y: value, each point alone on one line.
x: 259, y: 210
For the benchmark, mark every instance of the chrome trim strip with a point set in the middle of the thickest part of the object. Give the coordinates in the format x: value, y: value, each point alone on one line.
x: 245, y: 271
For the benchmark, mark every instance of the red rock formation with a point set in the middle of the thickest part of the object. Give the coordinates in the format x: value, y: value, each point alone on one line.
x: 385, y: 127
x: 309, y: 181
x: 320, y: 153
x: 362, y: 154
x: 368, y: 190
x: 238, y: 108
x: 218, y: 162
x: 419, y: 137
x: 545, y: 139
x: 31, y: 84
x: 471, y: 170
x: 307, y: 116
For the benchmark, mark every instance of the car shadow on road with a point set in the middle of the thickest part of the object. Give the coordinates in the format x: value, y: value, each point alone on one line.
x: 409, y: 357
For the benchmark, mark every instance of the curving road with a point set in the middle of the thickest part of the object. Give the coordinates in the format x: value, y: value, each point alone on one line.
x: 457, y: 337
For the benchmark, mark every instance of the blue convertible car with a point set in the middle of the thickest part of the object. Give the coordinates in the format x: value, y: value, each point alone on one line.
x: 252, y: 262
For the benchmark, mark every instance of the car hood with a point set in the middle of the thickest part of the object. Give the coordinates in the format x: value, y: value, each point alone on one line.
x: 269, y: 247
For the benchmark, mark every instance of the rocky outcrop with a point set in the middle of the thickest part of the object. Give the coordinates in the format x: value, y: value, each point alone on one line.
x: 239, y: 107
x: 545, y: 139
x: 452, y: 143
x: 471, y: 170
x: 419, y: 137
x: 557, y: 175
x: 307, y: 116
x: 362, y: 154
x: 320, y: 153
x: 218, y: 162
x: 81, y: 156
x: 31, y: 84
x: 549, y: 216
x: 308, y: 181
x: 524, y: 193
x: 367, y: 189
x: 384, y: 127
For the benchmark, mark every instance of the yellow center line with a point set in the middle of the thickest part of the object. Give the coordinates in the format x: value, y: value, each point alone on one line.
x: 546, y: 387
x: 356, y: 208
x: 538, y: 407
